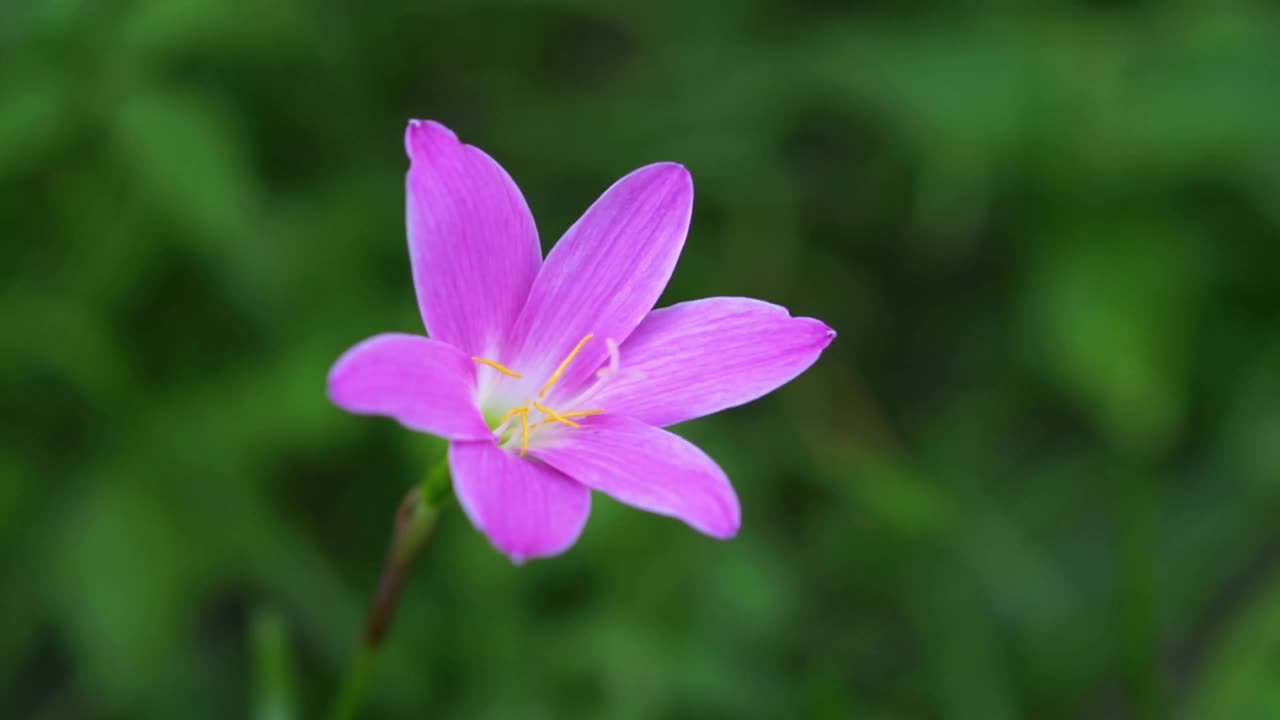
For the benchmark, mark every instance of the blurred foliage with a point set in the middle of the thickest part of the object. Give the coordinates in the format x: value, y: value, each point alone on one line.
x: 1036, y: 476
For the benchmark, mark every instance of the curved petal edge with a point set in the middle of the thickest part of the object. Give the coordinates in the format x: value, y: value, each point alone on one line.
x: 700, y: 357
x: 650, y: 469
x: 526, y: 508
x: 423, y: 384
x: 606, y: 273
x: 473, y: 246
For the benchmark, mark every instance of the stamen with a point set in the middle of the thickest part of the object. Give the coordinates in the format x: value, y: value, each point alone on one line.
x: 510, y: 414
x: 496, y: 366
x: 560, y: 370
x: 524, y: 430
x: 552, y: 414
x: 549, y: 415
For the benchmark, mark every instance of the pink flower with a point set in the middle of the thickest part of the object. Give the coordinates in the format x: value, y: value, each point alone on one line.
x: 550, y: 380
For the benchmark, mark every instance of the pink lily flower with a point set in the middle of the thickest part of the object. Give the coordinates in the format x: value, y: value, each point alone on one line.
x: 552, y: 379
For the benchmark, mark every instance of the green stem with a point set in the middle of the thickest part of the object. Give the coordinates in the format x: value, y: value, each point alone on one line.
x: 354, y: 683
x: 415, y: 521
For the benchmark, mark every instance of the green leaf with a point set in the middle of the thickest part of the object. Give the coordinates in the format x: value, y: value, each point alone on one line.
x: 1110, y: 307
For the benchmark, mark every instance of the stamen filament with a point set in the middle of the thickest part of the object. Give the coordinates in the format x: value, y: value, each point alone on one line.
x: 512, y: 413
x: 560, y: 370
x: 549, y: 415
x: 552, y: 414
x: 498, y: 367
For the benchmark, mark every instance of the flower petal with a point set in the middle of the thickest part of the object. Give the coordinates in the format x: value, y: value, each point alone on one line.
x: 472, y: 242
x: 526, y: 508
x: 606, y: 273
x: 424, y: 384
x: 647, y: 468
x: 700, y: 357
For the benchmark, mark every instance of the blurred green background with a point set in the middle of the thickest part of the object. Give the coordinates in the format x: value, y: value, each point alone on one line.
x: 1037, y: 475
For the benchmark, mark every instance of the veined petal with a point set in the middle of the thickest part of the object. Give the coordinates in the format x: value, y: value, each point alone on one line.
x: 700, y: 357
x: 648, y: 468
x: 606, y: 273
x: 424, y: 384
x: 472, y: 242
x: 526, y: 508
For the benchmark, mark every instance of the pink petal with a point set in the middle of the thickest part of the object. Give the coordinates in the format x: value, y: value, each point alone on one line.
x: 647, y: 468
x: 424, y: 384
x: 700, y: 357
x: 526, y: 508
x: 472, y: 242
x: 606, y: 273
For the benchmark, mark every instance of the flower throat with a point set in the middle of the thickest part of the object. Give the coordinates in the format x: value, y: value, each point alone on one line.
x: 548, y: 414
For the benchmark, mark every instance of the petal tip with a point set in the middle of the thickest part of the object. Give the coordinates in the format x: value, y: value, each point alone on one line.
x: 521, y: 553
x: 337, y: 380
x: 678, y: 172
x: 334, y: 387
x: 671, y: 181
x: 666, y: 170
x: 419, y: 134
x: 829, y: 336
x: 823, y: 333
x: 727, y: 535
x: 670, y: 166
x: 727, y: 530
x: 728, y: 526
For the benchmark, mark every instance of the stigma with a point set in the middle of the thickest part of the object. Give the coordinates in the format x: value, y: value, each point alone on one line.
x: 549, y: 416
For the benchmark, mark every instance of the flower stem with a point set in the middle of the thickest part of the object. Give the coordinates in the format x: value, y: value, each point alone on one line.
x: 354, y: 682
x: 414, y: 523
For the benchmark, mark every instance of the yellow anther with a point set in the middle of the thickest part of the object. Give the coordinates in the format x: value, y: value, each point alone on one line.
x: 496, y: 366
x: 553, y: 415
x: 524, y: 430
x: 560, y: 370
x: 549, y: 415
